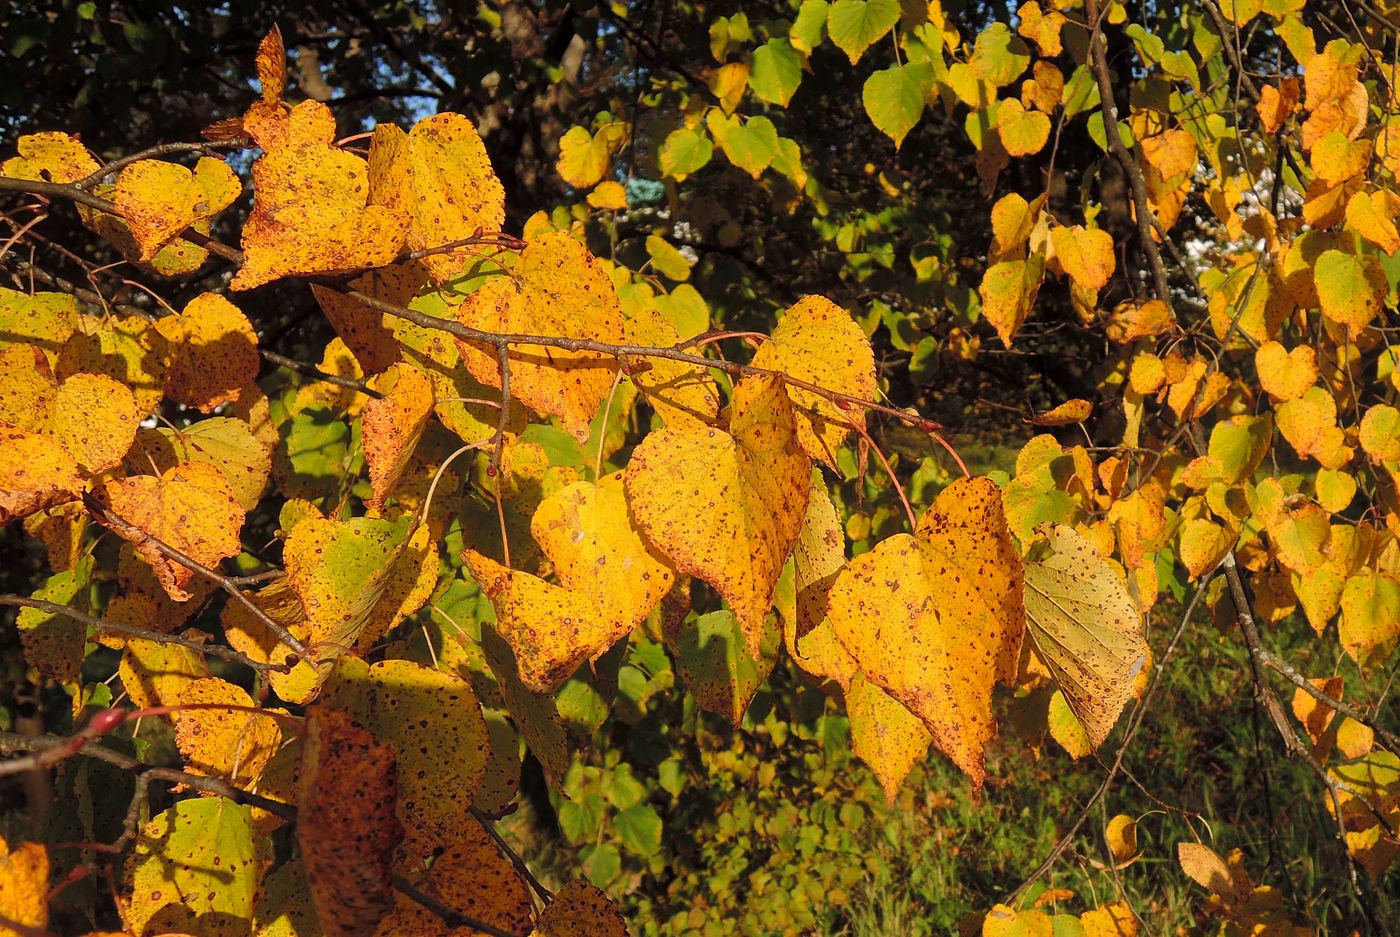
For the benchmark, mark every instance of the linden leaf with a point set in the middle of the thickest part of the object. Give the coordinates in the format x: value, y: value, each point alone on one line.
x: 998, y: 56
x: 434, y: 723
x: 358, y: 579
x: 154, y: 674
x: 195, y: 870
x: 1065, y: 727
x: 393, y: 425
x: 752, y: 145
x: 1086, y: 255
x: 131, y: 350
x: 856, y: 25
x: 677, y: 391
x: 24, y: 886
x: 1041, y: 27
x: 936, y: 618
x: 1205, y: 867
x: 53, y: 644
x: 225, y: 743
x: 884, y: 734
x: 44, y: 320
x: 556, y: 288
x: 727, y: 507
x: 1379, y: 433
x: 581, y: 908
x: 223, y: 442
x: 1351, y: 288
x: 684, y: 151
x: 1022, y: 132
x: 817, y: 341
x: 584, y: 158
x: 1370, y: 606
x: 215, y: 352
x: 49, y: 157
x: 715, y: 661
x: 1013, y: 219
x: 1372, y: 215
x: 311, y: 213
x: 94, y: 419
x: 346, y: 826
x: 894, y: 97
x: 158, y: 200
x: 1276, y: 104
x: 1071, y: 411
x: 440, y: 177
x: 1085, y: 628
x: 189, y: 507
x: 818, y: 557
x: 1008, y: 291
x: 1335, y: 158
x: 1286, y: 375
x: 271, y: 64
x: 775, y: 71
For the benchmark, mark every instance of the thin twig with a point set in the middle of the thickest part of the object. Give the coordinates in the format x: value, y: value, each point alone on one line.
x: 513, y: 856
x: 136, y: 631
x: 139, y: 537
x: 449, y: 917
x: 161, y: 149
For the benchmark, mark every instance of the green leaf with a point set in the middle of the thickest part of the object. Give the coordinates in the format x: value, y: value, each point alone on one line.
x: 1351, y: 288
x: 639, y: 830
x: 684, y: 152
x: 752, y: 145
x: 999, y: 56
x: 894, y: 98
x: 602, y: 864
x: 686, y: 309
x: 195, y: 870
x: 713, y: 658
x: 311, y: 460
x: 807, y: 30
x: 53, y: 644
x: 856, y: 25
x: 775, y: 71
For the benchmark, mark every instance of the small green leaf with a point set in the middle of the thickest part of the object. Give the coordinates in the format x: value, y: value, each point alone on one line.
x: 894, y: 98
x: 775, y: 72
x: 639, y: 830
x: 684, y: 152
x: 667, y: 259
x: 999, y: 56
x: 856, y: 25
x: 807, y: 30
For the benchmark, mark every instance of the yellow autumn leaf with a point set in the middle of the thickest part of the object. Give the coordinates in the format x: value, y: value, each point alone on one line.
x: 727, y: 506
x: 1041, y: 26
x: 129, y: 349
x: 884, y: 734
x: 1085, y: 255
x: 94, y: 419
x: 677, y: 391
x: 1131, y: 321
x: 364, y: 329
x: 24, y: 886
x: 608, y: 195
x: 1351, y: 288
x: 392, y: 427
x: 936, y: 618
x: 232, y: 744
x: 1043, y: 90
x: 1071, y: 411
x: 584, y: 158
x: 155, y: 674
x: 581, y: 908
x: 27, y: 388
x: 346, y: 823
x: 1022, y: 132
x: 311, y: 213
x: 1122, y: 838
x: 434, y: 724
x: 248, y: 635
x: 818, y: 557
x: 1276, y: 104
x: 1285, y: 374
x: 1008, y: 291
x: 728, y: 83
x: 556, y: 288
x: 271, y: 64
x: 817, y: 341
x: 1085, y: 627
x: 49, y: 157
x: 1314, y: 715
x: 440, y: 176
x: 1335, y: 158
x: 1372, y: 215
x: 158, y: 200
x: 189, y: 507
x: 1115, y: 919
x: 1013, y: 219
x: 214, y: 352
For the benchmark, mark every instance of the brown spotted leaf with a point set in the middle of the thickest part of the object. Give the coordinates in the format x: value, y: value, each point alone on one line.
x: 190, y: 507
x: 936, y: 618
x: 158, y: 200
x: 440, y: 176
x: 727, y: 507
x: 580, y: 909
x: 35, y: 473
x: 215, y: 352
x: 884, y: 734
x: 346, y: 823
x: 231, y: 743
x: 556, y: 288
x: 393, y: 425
x: 818, y: 342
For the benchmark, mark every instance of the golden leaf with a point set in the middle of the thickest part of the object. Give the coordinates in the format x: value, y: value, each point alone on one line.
x: 393, y: 425
x: 226, y: 743
x: 214, y: 352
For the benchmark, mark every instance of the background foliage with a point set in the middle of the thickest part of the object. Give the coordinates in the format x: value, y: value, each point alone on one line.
x: 946, y: 174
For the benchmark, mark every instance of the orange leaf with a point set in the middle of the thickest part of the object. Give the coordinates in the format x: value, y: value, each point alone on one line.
x: 727, y: 507
x: 311, y: 212
x: 346, y: 823
x: 189, y: 507
x: 936, y: 618
x: 580, y: 908
x: 227, y: 743
x: 215, y: 352
x: 392, y: 427
x: 24, y: 886
x: 1085, y: 255
x: 35, y: 473
x: 438, y: 174
x: 556, y: 288
x: 1276, y: 104
x: 158, y: 200
x: 272, y: 65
